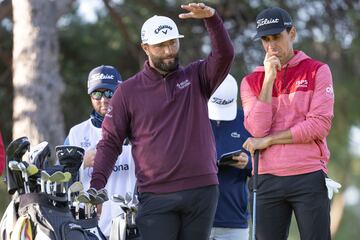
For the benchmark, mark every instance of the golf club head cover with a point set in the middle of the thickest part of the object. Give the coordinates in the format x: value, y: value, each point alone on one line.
x: 39, y: 154
x: 15, y: 151
x: 71, y: 157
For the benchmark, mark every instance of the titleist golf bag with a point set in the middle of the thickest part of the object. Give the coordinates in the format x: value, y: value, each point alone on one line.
x: 48, y: 221
x: 35, y: 213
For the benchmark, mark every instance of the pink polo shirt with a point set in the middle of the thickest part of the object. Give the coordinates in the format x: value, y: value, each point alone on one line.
x: 302, y: 101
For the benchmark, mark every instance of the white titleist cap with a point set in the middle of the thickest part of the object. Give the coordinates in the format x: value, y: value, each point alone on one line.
x: 159, y: 29
x: 222, y: 104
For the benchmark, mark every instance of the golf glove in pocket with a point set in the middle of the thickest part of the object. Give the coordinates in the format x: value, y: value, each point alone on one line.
x: 332, y: 187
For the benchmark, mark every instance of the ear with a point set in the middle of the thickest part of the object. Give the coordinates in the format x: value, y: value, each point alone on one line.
x: 145, y: 47
x: 293, y: 33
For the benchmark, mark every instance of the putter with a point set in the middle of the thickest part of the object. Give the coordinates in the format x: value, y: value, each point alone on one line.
x: 256, y: 165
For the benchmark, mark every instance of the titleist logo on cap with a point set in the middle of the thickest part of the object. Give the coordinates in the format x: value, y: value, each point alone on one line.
x: 101, y: 76
x: 265, y: 21
x: 221, y: 101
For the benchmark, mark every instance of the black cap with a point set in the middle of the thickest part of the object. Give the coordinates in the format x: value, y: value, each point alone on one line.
x: 272, y: 21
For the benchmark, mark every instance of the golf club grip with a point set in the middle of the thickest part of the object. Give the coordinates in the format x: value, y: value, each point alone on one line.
x: 256, y: 169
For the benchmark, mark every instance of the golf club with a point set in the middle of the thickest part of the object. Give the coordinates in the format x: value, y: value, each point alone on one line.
x: 117, y: 198
x: 256, y: 165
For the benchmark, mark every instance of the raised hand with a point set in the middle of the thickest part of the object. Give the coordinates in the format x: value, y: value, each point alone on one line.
x: 197, y: 10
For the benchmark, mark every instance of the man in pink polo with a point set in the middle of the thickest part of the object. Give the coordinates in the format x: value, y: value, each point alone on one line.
x: 288, y: 106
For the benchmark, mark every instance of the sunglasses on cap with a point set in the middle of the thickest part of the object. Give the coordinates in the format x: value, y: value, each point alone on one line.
x: 97, y: 95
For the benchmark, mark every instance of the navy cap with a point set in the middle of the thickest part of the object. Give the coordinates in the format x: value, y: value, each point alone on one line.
x: 272, y: 21
x: 104, y: 76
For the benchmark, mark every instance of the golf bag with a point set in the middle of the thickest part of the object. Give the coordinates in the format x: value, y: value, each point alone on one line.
x: 47, y: 221
x: 36, y: 213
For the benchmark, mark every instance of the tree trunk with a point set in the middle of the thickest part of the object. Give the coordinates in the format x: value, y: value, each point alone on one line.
x: 337, y: 212
x: 37, y: 83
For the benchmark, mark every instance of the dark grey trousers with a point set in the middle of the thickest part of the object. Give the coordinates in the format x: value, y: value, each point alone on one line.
x: 183, y: 215
x: 278, y: 197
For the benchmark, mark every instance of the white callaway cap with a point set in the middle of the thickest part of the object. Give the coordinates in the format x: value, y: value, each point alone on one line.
x: 158, y: 29
x: 222, y: 104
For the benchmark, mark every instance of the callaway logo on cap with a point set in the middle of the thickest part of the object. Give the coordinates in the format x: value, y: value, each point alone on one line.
x: 272, y: 21
x: 158, y: 29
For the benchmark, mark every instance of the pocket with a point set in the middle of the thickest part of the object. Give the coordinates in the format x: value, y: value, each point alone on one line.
x: 319, y: 146
x: 71, y: 230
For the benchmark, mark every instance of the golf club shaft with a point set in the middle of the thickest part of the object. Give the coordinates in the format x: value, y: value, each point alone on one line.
x: 255, y: 184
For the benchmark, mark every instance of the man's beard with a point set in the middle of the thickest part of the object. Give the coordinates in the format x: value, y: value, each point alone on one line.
x: 165, y: 67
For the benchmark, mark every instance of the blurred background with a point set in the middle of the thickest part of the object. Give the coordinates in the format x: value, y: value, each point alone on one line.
x: 48, y: 47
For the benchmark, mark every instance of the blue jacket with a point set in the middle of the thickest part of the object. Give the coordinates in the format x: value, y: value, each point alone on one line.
x: 232, y: 206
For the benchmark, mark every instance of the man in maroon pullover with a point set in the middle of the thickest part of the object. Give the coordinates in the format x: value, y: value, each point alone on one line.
x: 163, y: 111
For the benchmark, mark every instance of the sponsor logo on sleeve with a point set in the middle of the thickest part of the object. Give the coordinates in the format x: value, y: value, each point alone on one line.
x: 330, y: 91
